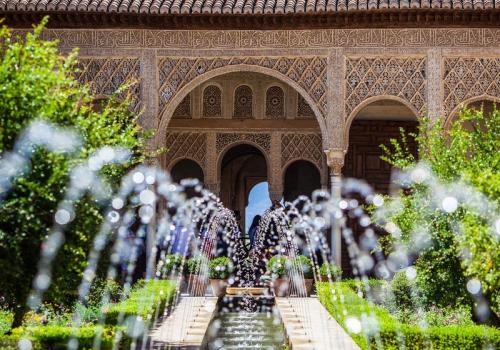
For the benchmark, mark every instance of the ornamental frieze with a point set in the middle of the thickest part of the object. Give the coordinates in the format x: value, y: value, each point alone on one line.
x: 272, y: 39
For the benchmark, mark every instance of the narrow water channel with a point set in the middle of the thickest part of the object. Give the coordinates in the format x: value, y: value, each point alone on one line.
x: 245, y: 323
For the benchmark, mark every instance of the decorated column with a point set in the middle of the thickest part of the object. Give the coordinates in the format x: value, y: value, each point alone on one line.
x: 335, y: 161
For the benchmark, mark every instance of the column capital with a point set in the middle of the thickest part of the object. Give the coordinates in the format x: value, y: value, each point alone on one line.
x: 335, y: 160
x: 276, y: 192
x: 214, y: 188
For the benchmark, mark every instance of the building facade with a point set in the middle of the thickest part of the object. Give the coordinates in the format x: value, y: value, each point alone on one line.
x: 295, y: 93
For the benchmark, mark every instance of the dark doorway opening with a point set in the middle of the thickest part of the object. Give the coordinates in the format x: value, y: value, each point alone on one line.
x: 186, y: 169
x: 301, y: 178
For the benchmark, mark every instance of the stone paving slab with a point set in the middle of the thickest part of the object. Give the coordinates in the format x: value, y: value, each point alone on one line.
x: 310, y: 327
x: 185, y: 327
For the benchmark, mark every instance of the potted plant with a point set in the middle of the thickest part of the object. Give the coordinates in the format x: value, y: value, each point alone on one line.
x: 304, y: 266
x: 196, y: 271
x: 171, y: 266
x: 329, y: 272
x: 219, y: 270
x: 277, y: 268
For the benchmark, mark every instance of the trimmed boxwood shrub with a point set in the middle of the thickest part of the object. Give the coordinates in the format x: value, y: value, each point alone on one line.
x: 220, y: 268
x: 148, y: 298
x: 394, y: 335
x: 51, y: 337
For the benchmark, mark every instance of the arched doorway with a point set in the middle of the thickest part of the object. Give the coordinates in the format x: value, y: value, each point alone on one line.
x: 241, y: 168
x: 484, y: 104
x: 374, y: 125
x: 301, y: 178
x: 186, y: 169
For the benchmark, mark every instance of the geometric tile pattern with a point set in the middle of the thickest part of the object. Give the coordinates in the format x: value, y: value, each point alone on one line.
x: 308, y: 72
x: 261, y: 139
x: 295, y: 146
x: 106, y: 75
x: 185, y: 144
x: 469, y: 77
x: 374, y: 76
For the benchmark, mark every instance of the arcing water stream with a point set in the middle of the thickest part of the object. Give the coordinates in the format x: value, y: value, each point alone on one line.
x: 149, y: 213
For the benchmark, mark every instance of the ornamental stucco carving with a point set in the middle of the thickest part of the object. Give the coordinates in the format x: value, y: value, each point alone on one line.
x: 275, y: 103
x: 243, y: 101
x: 212, y: 102
x: 468, y: 77
x: 304, y: 111
x: 186, y: 144
x: 106, y: 75
x: 295, y: 146
x: 263, y: 140
x: 183, y: 110
x: 404, y: 77
x: 307, y: 72
x: 273, y: 39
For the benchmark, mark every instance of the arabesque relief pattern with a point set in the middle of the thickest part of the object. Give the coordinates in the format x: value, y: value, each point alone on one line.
x: 308, y: 72
x: 183, y: 110
x: 295, y: 146
x: 261, y: 139
x: 106, y: 75
x: 185, y: 144
x: 273, y: 39
x: 374, y: 76
x: 465, y: 78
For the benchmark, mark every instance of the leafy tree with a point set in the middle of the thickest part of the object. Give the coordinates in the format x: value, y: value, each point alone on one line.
x: 37, y: 82
x: 464, y: 243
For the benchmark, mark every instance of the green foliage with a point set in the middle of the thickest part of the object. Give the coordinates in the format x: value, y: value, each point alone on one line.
x: 38, y: 83
x: 53, y: 337
x: 195, y: 265
x: 277, y: 266
x: 6, y: 318
x: 172, y: 264
x: 108, y: 288
x: 304, y: 264
x: 220, y: 268
x: 390, y: 334
x: 330, y: 270
x: 148, y: 298
x: 462, y: 244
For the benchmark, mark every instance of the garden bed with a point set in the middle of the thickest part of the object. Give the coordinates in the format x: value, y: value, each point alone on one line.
x: 147, y: 299
x: 389, y: 333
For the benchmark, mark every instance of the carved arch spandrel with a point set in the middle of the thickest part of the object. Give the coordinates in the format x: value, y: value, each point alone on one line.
x: 468, y: 79
x: 369, y: 77
x: 106, y: 75
x: 178, y: 76
x: 185, y: 144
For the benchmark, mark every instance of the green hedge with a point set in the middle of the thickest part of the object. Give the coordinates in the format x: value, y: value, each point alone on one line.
x: 146, y: 298
x: 393, y: 335
x: 52, y: 337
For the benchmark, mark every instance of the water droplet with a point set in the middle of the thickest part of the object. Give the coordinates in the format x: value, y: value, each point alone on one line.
x: 42, y: 281
x: 147, y: 197
x: 138, y: 177
x: 419, y: 175
x: 113, y: 216
x: 24, y: 344
x: 378, y: 200
x: 353, y: 325
x: 134, y: 326
x: 411, y: 273
x: 474, y: 286
x: 117, y: 203
x: 449, y: 204
x: 62, y: 216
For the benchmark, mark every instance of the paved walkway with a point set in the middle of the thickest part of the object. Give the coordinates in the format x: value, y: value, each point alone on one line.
x: 310, y: 327
x: 185, y: 327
